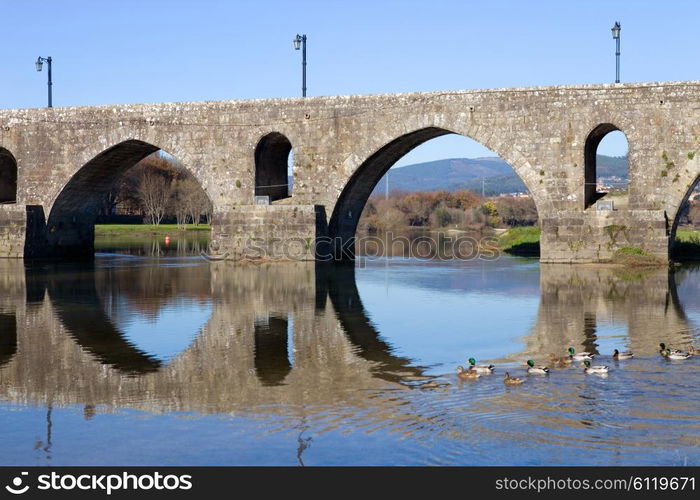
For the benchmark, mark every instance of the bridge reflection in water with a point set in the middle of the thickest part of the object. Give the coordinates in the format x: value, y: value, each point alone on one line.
x: 576, y: 300
x: 279, y: 336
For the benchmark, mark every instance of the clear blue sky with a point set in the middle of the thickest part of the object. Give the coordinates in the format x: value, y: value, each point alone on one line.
x: 126, y: 51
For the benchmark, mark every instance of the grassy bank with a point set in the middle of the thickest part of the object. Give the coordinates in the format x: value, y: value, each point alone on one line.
x: 636, y: 257
x: 148, y: 230
x: 524, y: 241
x: 686, y: 246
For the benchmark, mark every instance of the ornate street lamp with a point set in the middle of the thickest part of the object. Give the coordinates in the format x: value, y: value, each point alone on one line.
x: 616, y: 36
x: 300, y: 42
x: 39, y: 63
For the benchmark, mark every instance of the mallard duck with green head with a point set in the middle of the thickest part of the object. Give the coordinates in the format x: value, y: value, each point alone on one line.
x: 676, y: 354
x: 536, y: 370
x: 480, y: 369
x: 664, y: 350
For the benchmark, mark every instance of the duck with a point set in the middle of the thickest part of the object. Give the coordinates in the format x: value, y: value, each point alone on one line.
x: 598, y: 369
x: 617, y: 355
x: 560, y: 362
x: 508, y: 380
x: 580, y: 356
x: 676, y: 354
x: 467, y: 374
x: 480, y: 369
x: 537, y: 370
x: 663, y: 350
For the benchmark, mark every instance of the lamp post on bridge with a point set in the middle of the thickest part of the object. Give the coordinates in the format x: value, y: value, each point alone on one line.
x: 300, y: 42
x: 616, y: 36
x: 39, y: 63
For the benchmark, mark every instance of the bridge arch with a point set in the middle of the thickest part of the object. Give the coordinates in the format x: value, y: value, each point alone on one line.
x: 8, y: 177
x: 591, y: 194
x: 348, y: 208
x: 70, y: 223
x: 679, y: 210
x: 271, y: 166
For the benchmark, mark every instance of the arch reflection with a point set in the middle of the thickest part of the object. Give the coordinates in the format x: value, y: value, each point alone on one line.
x: 272, y: 362
x: 89, y: 302
x: 578, y: 301
x: 74, y: 296
x: 8, y: 337
x: 341, y: 285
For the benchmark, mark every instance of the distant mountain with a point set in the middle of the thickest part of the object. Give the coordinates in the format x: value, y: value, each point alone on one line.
x: 612, y: 166
x: 468, y: 173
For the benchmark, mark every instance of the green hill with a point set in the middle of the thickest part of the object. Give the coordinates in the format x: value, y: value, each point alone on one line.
x: 469, y: 173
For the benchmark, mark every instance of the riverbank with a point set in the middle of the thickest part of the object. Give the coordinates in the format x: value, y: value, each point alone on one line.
x: 522, y: 241
x: 686, y: 246
x: 149, y: 230
x: 525, y: 241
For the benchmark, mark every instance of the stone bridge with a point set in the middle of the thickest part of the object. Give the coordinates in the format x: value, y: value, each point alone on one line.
x: 56, y: 164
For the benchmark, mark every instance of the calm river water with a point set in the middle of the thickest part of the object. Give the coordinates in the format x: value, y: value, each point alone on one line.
x: 164, y: 358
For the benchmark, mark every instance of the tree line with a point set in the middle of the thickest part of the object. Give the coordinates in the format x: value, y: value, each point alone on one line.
x: 461, y: 209
x: 158, y: 188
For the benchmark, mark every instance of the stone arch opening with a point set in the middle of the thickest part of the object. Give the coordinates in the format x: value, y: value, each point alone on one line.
x: 684, y: 226
x: 605, y: 163
x: 343, y: 223
x: 70, y: 228
x: 8, y: 177
x: 272, y: 166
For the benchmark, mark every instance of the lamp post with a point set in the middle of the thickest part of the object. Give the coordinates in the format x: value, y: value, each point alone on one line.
x: 39, y: 63
x: 300, y: 41
x: 616, y: 36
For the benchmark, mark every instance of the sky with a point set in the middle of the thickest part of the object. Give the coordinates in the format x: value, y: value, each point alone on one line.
x: 119, y: 52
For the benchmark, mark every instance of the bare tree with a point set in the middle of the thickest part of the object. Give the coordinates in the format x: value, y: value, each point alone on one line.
x: 158, y: 187
x: 196, y: 200
x: 178, y: 205
x: 154, y: 193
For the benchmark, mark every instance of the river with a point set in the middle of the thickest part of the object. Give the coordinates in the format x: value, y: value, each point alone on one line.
x: 154, y: 356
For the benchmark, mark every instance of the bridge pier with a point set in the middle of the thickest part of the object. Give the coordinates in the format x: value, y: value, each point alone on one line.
x: 269, y: 232
x: 24, y: 233
x: 13, y: 226
x: 70, y: 237
x: 594, y: 236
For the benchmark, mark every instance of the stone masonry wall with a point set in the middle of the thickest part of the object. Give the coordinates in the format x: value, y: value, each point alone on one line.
x: 595, y: 236
x: 13, y: 227
x: 267, y: 232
